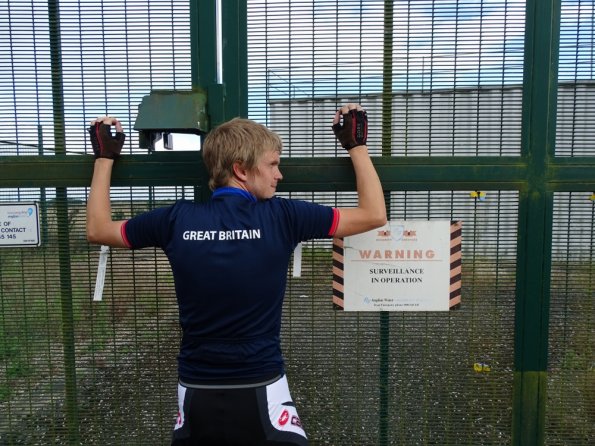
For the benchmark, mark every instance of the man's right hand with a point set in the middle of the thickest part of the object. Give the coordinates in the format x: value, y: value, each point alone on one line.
x: 353, y: 131
x: 104, y: 144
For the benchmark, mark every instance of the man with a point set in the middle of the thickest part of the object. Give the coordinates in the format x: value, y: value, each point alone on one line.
x: 229, y: 258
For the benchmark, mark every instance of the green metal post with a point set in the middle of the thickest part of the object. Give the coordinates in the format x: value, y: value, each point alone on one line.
x: 195, y: 69
x: 203, y: 32
x: 387, y: 111
x: 235, y: 57
x: 43, y: 205
x: 62, y: 223
x: 535, y: 222
x: 387, y: 79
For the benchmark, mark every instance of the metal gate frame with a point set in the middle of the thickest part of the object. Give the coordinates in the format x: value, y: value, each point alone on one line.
x: 536, y: 174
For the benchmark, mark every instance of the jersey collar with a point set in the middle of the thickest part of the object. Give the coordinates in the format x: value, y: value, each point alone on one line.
x: 228, y: 190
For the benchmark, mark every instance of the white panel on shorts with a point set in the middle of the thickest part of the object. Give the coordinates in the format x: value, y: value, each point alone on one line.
x: 283, y: 418
x: 181, y: 397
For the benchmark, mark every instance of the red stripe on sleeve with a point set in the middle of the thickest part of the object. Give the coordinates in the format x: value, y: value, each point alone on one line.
x: 335, y: 224
x: 123, y: 233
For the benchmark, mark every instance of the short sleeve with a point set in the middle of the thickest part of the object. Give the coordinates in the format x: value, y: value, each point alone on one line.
x: 149, y: 228
x: 310, y: 220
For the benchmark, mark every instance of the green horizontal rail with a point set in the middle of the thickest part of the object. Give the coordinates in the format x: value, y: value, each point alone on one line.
x: 304, y: 174
x: 321, y: 174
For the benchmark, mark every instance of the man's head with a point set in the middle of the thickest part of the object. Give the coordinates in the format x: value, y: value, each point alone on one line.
x: 237, y: 146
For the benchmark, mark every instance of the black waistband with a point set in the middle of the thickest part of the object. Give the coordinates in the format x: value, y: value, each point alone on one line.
x: 231, y: 386
x: 240, y: 340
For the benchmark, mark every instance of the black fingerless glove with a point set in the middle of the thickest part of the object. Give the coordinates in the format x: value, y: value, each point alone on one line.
x: 104, y: 144
x: 354, y: 130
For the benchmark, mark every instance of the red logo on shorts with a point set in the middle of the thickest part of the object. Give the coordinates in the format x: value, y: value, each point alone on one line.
x: 178, y: 420
x: 296, y: 421
x: 284, y: 418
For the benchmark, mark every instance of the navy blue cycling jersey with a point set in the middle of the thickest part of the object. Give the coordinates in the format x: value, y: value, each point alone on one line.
x: 229, y: 258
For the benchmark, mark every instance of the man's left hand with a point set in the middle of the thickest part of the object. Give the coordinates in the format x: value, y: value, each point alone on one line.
x: 104, y: 144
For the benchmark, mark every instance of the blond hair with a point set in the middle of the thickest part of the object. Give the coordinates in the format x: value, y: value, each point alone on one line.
x: 239, y: 140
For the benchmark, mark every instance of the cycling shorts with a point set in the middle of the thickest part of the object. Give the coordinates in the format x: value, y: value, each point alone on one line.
x: 252, y: 415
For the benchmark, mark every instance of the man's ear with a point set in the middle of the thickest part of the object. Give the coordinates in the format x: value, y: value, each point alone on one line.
x: 239, y: 171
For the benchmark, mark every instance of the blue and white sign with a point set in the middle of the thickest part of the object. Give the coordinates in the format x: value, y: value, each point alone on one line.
x: 19, y: 225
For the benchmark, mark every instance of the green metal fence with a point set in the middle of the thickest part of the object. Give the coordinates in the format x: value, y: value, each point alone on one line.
x: 479, y: 111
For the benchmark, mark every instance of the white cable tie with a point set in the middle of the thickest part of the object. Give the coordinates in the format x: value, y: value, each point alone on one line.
x: 101, y: 267
x: 297, y: 261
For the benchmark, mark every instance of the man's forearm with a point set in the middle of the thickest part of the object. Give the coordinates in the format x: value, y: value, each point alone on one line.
x: 100, y: 227
x: 369, y: 189
x: 370, y: 212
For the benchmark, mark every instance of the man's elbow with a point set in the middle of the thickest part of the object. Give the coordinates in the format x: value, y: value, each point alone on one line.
x: 94, y: 235
x: 375, y: 220
x: 379, y: 220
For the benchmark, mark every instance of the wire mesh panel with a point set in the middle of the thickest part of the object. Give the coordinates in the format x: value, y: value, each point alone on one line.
x: 25, y: 76
x: 570, y: 414
x: 127, y: 348
x: 125, y: 341
x: 72, y: 369
x: 454, y: 69
x: 576, y: 74
x: 31, y: 366
x: 455, y: 368
x: 109, y: 56
x: 449, y: 374
x: 571, y: 377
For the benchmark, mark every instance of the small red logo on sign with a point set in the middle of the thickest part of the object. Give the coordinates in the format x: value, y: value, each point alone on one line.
x: 284, y: 418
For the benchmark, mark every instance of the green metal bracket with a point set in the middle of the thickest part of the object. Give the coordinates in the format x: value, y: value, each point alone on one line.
x: 171, y: 111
